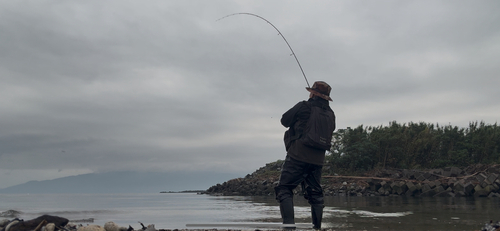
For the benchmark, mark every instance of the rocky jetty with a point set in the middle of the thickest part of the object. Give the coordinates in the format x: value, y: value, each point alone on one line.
x: 259, y: 183
x: 477, y: 180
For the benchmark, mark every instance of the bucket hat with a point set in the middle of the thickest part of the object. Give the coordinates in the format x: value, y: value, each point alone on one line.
x: 320, y: 89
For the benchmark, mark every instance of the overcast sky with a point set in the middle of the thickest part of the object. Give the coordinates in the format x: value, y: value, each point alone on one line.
x: 97, y: 86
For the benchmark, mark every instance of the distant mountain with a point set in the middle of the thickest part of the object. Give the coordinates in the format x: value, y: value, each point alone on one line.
x: 124, y: 182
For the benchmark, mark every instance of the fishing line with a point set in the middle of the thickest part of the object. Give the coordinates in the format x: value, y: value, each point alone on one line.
x: 293, y: 53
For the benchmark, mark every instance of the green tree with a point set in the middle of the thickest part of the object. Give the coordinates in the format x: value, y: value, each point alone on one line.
x: 414, y: 145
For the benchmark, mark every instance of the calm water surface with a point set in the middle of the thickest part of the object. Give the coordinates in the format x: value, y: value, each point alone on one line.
x: 175, y: 210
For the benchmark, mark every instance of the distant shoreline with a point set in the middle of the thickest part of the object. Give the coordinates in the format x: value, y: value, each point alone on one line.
x: 185, y: 191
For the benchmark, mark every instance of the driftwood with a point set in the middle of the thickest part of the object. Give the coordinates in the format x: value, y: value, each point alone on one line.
x: 43, y: 223
x: 359, y: 177
x: 440, y: 177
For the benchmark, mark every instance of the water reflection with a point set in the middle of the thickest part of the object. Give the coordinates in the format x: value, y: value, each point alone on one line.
x: 384, y: 213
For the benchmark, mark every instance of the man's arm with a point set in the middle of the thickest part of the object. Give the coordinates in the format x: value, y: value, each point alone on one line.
x: 289, y: 117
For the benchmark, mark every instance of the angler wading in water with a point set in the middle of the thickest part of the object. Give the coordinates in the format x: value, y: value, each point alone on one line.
x: 311, y: 124
x: 304, y: 158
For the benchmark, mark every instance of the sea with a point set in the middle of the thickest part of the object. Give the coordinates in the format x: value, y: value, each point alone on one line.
x: 201, y: 211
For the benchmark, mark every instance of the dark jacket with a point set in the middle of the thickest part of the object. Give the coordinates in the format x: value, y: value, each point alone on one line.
x: 295, y: 119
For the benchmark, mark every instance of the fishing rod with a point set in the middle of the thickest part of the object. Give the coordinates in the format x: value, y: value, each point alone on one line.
x: 293, y: 53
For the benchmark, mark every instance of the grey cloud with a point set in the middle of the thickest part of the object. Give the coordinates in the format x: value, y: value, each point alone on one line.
x: 103, y: 86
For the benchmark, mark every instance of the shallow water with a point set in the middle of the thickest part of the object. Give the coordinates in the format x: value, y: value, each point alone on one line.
x: 175, y: 210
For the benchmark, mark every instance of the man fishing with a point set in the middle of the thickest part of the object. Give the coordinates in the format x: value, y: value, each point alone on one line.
x: 311, y: 124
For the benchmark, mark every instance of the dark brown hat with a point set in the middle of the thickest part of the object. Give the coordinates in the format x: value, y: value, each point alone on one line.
x: 320, y: 89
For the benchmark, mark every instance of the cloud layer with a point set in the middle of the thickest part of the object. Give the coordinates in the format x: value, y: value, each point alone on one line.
x: 162, y: 86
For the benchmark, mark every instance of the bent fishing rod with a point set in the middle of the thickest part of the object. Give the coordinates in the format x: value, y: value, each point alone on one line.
x: 279, y: 32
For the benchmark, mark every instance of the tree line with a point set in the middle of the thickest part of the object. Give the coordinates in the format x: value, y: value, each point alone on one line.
x: 413, y: 146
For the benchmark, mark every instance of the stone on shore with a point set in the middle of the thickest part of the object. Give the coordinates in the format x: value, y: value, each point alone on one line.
x: 150, y: 228
x: 480, y: 191
x: 411, y: 188
x: 469, y: 189
x: 111, y: 226
x: 4, y: 222
x: 50, y: 227
x: 91, y: 228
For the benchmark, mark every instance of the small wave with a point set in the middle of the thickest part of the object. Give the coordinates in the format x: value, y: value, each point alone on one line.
x: 10, y: 213
x: 82, y: 212
x: 362, y: 213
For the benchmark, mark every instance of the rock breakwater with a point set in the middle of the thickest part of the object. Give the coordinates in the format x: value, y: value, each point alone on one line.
x: 473, y: 181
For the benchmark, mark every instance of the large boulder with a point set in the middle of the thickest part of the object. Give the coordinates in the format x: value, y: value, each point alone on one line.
x: 33, y: 223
